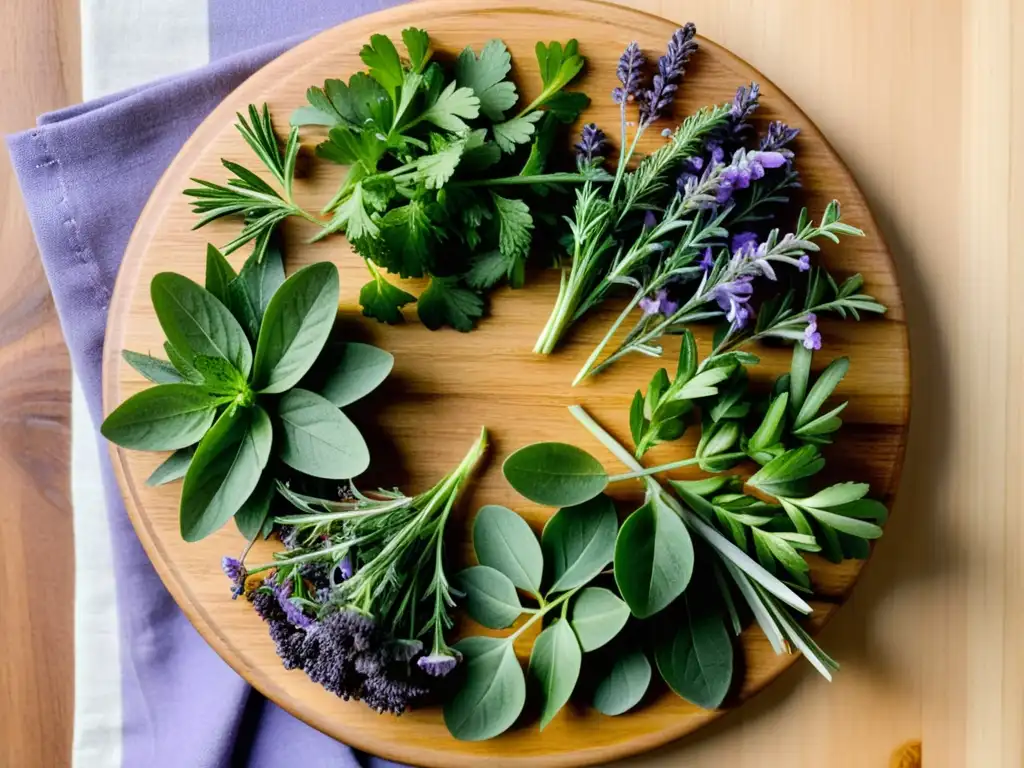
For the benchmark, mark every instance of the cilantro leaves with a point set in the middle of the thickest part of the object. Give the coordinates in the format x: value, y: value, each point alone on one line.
x: 417, y: 138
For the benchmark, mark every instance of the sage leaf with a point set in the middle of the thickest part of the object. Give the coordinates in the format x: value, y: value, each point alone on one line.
x: 598, y: 615
x: 251, y: 291
x: 493, y: 690
x: 152, y: 368
x: 504, y: 541
x: 219, y: 274
x: 555, y: 665
x: 624, y: 685
x: 182, y: 364
x: 653, y: 559
x: 318, y: 439
x: 821, y: 390
x: 173, y: 467
x: 197, y: 323
x: 252, y: 515
x: 295, y: 327
x: 220, y: 376
x: 555, y: 474
x: 695, y: 658
x: 491, y: 597
x: 361, y: 368
x: 224, y: 471
x: 163, y: 418
x: 578, y: 542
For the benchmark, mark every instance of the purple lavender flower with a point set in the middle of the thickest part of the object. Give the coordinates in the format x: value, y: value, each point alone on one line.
x: 650, y: 221
x: 745, y: 103
x: 741, y: 239
x: 671, y: 67
x: 778, y: 137
x: 343, y: 570
x: 745, y: 168
x: 437, y: 664
x: 707, y: 263
x: 292, y: 612
x: 659, y: 304
x: 592, y: 143
x: 804, y: 263
x: 630, y: 65
x: 235, y: 571
x: 734, y: 297
x: 812, y: 339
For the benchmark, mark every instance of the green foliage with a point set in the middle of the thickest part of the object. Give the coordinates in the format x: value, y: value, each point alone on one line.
x: 555, y: 474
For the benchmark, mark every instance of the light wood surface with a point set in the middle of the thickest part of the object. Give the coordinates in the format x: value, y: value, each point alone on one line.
x: 446, y: 385
x: 39, y: 71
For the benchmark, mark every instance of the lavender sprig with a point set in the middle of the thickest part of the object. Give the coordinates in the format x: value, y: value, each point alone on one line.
x: 657, y: 99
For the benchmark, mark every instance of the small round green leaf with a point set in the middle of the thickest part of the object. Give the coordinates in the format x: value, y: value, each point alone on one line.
x: 491, y: 597
x: 578, y: 542
x: 625, y: 684
x: 224, y: 471
x: 163, y: 418
x: 360, y: 369
x: 696, y: 658
x: 653, y: 559
x: 555, y: 474
x: 295, y: 327
x: 598, y: 615
x: 504, y: 541
x: 318, y: 439
x: 555, y: 666
x: 493, y: 690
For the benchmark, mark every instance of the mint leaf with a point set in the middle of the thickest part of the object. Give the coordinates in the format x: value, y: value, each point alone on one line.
x: 383, y: 301
x: 515, y: 131
x: 446, y: 303
x: 451, y: 105
x: 417, y: 43
x: 486, y: 77
x: 381, y: 56
x: 152, y: 368
x: 218, y: 274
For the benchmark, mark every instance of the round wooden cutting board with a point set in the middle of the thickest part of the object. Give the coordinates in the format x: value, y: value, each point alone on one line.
x: 446, y: 385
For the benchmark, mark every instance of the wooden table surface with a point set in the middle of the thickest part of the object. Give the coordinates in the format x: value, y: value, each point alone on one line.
x: 918, y: 96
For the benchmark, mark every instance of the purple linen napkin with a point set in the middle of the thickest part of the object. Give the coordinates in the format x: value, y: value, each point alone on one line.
x: 86, y: 173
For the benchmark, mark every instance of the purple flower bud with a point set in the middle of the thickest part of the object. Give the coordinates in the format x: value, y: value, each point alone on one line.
x: 741, y: 239
x: 650, y: 220
x: 812, y: 339
x: 708, y: 262
x: 733, y: 297
x: 659, y: 304
x: 292, y: 612
x: 659, y: 97
x: 235, y: 571
x: 804, y: 263
x: 592, y: 143
x: 437, y: 664
x: 630, y: 65
x: 778, y: 137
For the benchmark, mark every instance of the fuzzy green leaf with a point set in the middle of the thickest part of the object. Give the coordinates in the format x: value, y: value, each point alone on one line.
x: 493, y: 690
x: 318, y: 439
x: 163, y: 418
x: 491, y: 597
x: 555, y: 666
x: 360, y: 369
x: 578, y: 542
x: 504, y: 541
x: 152, y: 368
x: 598, y: 615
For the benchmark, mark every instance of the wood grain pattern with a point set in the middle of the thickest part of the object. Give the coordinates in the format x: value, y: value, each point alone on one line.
x: 447, y: 385
x: 39, y: 70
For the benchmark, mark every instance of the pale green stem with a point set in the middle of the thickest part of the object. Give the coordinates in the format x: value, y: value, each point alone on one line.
x: 585, y: 370
x: 543, y: 611
x: 669, y: 467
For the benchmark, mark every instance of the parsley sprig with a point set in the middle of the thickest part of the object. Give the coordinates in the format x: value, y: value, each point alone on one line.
x: 418, y: 141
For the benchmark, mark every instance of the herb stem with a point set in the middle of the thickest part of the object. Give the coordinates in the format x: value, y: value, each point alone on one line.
x: 723, y: 547
x: 585, y: 370
x: 541, y: 178
x: 641, y: 473
x: 541, y: 612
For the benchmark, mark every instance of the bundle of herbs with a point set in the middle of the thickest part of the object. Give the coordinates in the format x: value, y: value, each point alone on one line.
x: 228, y: 400
x: 446, y: 168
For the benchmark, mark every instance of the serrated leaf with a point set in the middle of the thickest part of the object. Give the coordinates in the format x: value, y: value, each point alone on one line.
x: 515, y: 226
x: 417, y: 43
x: 485, y: 75
x: 383, y: 301
x: 436, y: 169
x: 444, y: 302
x: 453, y: 106
x: 381, y: 56
x: 488, y: 269
x: 516, y: 131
